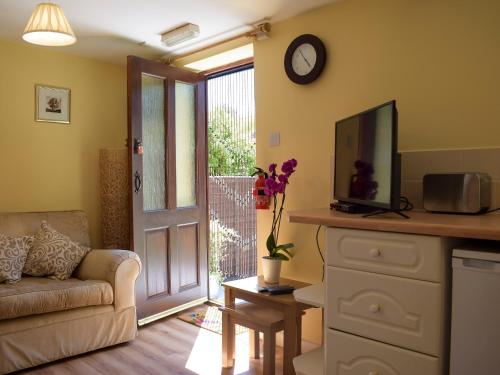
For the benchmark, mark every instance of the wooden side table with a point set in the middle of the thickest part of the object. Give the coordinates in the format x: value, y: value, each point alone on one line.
x: 248, y: 290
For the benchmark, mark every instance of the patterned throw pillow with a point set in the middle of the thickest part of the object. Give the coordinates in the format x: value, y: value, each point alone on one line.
x: 13, y: 253
x: 53, y: 254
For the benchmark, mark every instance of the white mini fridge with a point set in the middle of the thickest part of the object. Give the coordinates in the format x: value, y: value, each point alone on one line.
x: 475, y: 316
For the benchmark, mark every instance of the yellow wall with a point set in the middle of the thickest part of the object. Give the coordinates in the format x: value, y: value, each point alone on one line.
x: 46, y: 166
x: 439, y: 59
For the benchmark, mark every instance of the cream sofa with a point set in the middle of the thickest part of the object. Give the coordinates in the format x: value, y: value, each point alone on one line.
x: 42, y: 320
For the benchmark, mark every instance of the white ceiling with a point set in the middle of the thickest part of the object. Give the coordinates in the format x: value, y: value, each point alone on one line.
x: 112, y: 29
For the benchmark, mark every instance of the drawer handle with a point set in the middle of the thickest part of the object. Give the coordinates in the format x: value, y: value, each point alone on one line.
x: 373, y: 373
x: 375, y: 253
x: 374, y: 308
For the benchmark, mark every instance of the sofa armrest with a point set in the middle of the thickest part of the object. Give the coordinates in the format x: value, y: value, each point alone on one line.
x: 118, y: 267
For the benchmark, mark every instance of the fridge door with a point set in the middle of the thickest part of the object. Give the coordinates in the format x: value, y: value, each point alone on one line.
x: 475, y: 323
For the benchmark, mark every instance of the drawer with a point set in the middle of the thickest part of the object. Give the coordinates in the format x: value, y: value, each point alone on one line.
x: 351, y: 355
x: 403, y: 312
x: 406, y: 255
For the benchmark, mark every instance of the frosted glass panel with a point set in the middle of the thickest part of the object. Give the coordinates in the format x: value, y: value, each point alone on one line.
x: 153, y: 140
x: 185, y: 143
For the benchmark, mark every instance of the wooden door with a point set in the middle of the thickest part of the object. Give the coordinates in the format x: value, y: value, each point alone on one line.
x: 168, y: 157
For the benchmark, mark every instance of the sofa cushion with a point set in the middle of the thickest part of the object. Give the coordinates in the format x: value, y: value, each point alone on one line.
x: 13, y: 253
x: 53, y: 254
x: 37, y: 295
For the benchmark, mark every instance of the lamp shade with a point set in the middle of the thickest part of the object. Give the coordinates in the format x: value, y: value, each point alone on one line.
x: 48, y: 26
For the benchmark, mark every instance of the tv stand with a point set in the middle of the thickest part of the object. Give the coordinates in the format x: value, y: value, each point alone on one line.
x: 384, y: 211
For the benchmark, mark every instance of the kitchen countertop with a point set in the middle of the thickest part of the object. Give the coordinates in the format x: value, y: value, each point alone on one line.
x: 485, y: 227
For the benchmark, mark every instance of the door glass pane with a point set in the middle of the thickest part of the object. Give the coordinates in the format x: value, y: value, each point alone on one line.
x: 153, y: 140
x: 185, y: 144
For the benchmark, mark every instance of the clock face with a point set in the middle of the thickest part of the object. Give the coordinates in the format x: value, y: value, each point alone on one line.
x: 304, y: 59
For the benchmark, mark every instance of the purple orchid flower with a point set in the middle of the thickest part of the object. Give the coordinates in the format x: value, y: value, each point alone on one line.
x: 281, y: 187
x: 274, y: 185
x: 288, y: 166
x: 283, y: 178
x: 271, y: 186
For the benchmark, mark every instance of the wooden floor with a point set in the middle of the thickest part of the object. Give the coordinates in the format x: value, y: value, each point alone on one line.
x: 169, y: 346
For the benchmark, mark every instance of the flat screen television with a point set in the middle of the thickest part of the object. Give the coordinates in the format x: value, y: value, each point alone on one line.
x: 367, y: 164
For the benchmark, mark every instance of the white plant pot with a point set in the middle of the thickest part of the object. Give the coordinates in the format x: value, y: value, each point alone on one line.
x: 271, y: 268
x: 214, y: 287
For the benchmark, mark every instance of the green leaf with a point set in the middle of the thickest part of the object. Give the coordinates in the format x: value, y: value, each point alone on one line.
x: 286, y: 246
x: 270, y: 243
x: 287, y: 252
x: 282, y: 257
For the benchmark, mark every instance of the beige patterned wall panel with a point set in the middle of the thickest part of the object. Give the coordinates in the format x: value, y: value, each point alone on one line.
x: 115, y: 206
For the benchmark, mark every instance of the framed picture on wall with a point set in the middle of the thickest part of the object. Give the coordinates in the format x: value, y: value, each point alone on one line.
x: 52, y: 104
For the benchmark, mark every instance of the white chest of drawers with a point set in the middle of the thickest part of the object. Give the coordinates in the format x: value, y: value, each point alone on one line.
x: 387, y: 288
x: 386, y: 303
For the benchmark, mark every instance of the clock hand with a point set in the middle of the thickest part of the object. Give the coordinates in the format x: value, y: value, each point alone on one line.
x: 307, y: 62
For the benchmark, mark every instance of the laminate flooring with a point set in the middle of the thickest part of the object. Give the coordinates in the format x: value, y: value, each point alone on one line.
x: 168, y: 346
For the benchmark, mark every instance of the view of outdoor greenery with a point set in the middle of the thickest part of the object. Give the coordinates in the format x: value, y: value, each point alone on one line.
x: 230, y: 154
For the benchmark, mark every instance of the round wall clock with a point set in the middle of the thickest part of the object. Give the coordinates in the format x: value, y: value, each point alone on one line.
x: 305, y: 59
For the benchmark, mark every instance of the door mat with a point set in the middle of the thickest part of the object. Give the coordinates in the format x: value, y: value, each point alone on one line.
x: 208, y: 317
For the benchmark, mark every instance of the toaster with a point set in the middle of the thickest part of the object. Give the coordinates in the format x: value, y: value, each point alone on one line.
x: 459, y: 193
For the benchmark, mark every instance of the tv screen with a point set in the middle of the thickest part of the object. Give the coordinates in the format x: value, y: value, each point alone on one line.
x: 366, y: 164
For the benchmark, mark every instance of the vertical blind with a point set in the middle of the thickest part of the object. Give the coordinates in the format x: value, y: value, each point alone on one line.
x: 231, y: 148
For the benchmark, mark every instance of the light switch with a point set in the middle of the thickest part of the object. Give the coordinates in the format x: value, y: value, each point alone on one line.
x: 274, y: 139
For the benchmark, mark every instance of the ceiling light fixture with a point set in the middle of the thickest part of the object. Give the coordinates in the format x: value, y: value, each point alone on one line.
x: 180, y: 34
x: 48, y: 26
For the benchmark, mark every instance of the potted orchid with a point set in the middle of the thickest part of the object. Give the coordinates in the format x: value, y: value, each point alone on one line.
x: 275, y: 187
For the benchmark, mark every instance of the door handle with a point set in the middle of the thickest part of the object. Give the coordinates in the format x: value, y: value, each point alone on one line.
x: 137, y: 182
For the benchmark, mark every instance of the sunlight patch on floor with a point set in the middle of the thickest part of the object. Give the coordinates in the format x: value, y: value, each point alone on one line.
x: 206, y: 355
